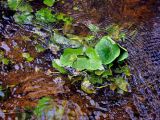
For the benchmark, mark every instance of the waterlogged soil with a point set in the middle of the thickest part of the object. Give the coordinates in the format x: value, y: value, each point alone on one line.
x: 24, y: 83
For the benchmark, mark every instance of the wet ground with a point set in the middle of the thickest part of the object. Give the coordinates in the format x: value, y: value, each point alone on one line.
x: 26, y: 83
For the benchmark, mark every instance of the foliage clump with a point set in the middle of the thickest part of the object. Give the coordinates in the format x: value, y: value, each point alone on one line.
x: 98, y: 61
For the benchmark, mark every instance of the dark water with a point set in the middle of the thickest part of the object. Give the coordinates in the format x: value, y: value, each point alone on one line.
x: 25, y: 83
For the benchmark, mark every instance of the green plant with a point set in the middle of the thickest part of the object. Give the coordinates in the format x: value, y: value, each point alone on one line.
x: 25, y: 14
x: 3, y: 59
x: 23, y: 18
x: 107, y: 49
x: 49, y: 3
x: 27, y: 56
x: 42, y: 105
x: 44, y: 15
x: 39, y: 48
x: 97, y: 63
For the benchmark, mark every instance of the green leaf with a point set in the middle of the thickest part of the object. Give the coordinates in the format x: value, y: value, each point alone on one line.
x: 27, y: 56
x: 107, y: 73
x: 123, y: 54
x: 113, y: 31
x: 41, y: 106
x: 125, y: 69
x: 59, y: 39
x: 69, y: 56
x: 89, y: 37
x: 25, y: 7
x: 30, y: 59
x: 95, y: 79
x: 93, y: 28
x: 39, y: 48
x: 99, y: 72
x: 122, y: 36
x: 93, y: 61
x: 75, y: 37
x: 121, y: 83
x: 5, y: 61
x: 49, y: 2
x: 63, y: 17
x: 13, y: 4
x: 45, y: 15
x: 23, y: 18
x: 56, y: 64
x: 107, y: 49
x: 19, y: 5
x: 87, y: 87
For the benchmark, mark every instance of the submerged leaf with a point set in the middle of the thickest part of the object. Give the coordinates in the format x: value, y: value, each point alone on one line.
x: 107, y: 49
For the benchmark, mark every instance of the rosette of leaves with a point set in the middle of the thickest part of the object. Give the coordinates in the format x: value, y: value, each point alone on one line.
x: 96, y: 60
x: 109, y: 51
x: 81, y: 59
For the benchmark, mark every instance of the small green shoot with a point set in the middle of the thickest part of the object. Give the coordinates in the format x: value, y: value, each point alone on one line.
x: 28, y: 57
x: 39, y: 48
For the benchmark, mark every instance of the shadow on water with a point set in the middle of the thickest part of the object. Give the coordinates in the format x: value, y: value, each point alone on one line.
x: 25, y: 83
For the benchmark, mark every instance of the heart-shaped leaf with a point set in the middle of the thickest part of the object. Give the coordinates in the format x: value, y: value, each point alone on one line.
x: 107, y: 49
